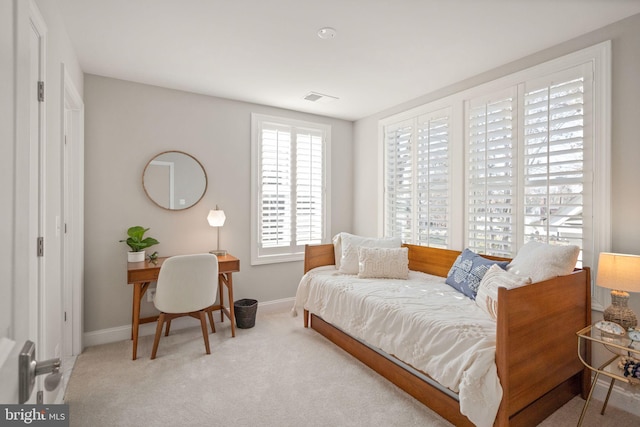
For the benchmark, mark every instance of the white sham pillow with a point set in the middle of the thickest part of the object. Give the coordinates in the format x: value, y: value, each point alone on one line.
x: 350, y: 244
x: 494, y: 278
x: 337, y: 249
x: 383, y: 263
x: 542, y: 261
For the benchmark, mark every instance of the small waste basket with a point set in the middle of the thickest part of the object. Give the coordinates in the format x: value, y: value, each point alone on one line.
x: 245, y: 313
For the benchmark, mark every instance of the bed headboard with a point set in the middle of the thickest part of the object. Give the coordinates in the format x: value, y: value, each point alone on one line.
x: 421, y: 258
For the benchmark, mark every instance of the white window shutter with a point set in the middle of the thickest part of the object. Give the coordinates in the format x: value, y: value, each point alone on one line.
x: 399, y: 181
x: 432, y: 180
x: 309, y: 187
x: 491, y: 175
x: 555, y: 128
x: 276, y: 194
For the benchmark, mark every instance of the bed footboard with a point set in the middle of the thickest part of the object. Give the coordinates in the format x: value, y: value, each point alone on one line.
x: 536, y: 350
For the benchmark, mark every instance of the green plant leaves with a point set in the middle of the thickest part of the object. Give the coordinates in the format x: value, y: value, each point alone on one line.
x: 136, y: 241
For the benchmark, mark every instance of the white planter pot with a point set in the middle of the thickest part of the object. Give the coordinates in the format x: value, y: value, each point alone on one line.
x: 135, y: 256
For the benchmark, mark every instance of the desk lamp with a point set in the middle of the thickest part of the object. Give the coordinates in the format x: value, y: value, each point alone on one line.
x: 216, y: 218
x: 621, y: 274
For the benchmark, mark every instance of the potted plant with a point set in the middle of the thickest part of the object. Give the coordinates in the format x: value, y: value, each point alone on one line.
x: 138, y: 243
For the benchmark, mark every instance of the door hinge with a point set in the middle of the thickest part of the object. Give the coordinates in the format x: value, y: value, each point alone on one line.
x: 40, y: 246
x: 40, y: 91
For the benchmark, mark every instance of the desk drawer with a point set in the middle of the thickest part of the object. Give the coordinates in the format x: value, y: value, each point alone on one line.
x: 230, y: 266
x: 135, y: 276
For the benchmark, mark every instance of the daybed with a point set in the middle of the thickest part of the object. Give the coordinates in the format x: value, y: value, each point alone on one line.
x: 535, y: 343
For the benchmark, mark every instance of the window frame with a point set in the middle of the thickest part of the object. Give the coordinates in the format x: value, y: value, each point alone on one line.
x: 599, y: 58
x: 293, y: 252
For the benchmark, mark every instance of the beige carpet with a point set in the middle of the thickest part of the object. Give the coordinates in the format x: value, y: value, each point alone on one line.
x: 275, y: 374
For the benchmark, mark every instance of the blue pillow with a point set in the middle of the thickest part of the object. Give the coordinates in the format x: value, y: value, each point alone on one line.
x: 468, y: 270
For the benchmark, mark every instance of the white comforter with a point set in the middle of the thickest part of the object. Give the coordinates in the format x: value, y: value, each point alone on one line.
x: 423, y: 322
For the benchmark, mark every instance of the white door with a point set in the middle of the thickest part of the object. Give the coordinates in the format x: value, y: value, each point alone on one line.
x: 22, y: 289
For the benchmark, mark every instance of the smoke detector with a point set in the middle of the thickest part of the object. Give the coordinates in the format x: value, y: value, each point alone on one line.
x: 320, y: 98
x: 327, y: 33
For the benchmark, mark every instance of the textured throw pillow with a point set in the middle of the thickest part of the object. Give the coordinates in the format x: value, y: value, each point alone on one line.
x: 496, y: 277
x: 468, y: 270
x: 337, y: 249
x: 351, y: 243
x: 383, y: 263
x: 542, y: 261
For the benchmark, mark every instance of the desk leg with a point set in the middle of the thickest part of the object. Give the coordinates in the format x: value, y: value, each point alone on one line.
x: 138, y: 291
x: 220, y: 281
x: 135, y: 322
x: 232, y: 319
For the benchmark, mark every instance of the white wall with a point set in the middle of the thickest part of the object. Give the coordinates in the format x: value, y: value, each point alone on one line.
x: 129, y: 123
x: 625, y: 195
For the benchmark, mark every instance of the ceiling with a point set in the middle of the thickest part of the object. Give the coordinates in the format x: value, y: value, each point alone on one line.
x: 268, y: 52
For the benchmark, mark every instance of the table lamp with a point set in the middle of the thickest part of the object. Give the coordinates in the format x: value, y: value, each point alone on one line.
x: 216, y: 218
x: 621, y: 274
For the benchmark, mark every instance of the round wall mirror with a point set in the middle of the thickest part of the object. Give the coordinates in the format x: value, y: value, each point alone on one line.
x: 174, y: 180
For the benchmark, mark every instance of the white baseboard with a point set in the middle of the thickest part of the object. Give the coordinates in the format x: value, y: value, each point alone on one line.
x: 120, y: 333
x: 623, y: 397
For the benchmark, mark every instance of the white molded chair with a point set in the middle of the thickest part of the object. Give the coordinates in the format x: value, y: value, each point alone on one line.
x: 186, y: 286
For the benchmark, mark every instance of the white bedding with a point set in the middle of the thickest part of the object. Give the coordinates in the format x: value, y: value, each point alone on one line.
x: 421, y: 321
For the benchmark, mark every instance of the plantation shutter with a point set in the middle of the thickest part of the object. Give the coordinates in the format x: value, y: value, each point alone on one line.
x: 309, y: 187
x: 276, y: 190
x: 491, y: 175
x: 555, y: 130
x: 432, y: 173
x: 399, y: 181
x: 288, y: 187
x: 417, y: 193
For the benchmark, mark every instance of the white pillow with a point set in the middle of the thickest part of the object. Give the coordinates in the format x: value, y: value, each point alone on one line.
x: 542, y: 261
x: 351, y: 243
x: 384, y: 263
x: 337, y: 249
x: 494, y: 278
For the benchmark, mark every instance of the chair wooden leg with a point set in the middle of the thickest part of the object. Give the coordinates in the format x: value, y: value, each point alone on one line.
x: 205, y: 331
x: 156, y: 341
x: 213, y: 327
x: 166, y: 331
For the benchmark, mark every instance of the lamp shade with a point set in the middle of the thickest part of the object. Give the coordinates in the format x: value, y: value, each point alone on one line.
x: 619, y: 272
x: 216, y: 218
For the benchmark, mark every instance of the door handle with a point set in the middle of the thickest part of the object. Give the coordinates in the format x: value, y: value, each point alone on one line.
x: 29, y: 369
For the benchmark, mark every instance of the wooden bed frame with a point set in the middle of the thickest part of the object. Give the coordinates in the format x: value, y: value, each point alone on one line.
x: 536, y: 344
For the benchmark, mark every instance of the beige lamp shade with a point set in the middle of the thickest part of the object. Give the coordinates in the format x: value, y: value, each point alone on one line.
x: 619, y: 272
x: 216, y: 218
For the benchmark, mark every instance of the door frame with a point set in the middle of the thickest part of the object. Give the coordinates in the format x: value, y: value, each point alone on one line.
x: 72, y: 169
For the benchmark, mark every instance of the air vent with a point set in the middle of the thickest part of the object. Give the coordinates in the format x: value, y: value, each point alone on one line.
x: 320, y: 98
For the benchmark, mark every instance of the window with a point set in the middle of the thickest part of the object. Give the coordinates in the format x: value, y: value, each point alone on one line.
x: 289, y: 187
x: 532, y: 162
x: 530, y: 185
x: 417, y: 180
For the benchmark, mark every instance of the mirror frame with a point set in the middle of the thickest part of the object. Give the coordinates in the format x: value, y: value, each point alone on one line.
x: 204, y: 172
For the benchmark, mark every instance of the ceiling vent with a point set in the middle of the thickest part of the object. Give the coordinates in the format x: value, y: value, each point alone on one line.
x: 320, y: 98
